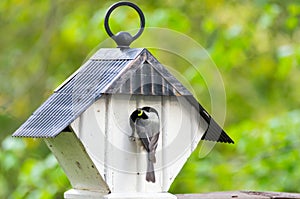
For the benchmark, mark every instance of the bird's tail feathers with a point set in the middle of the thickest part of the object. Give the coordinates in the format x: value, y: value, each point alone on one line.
x: 152, y: 157
x: 150, y: 175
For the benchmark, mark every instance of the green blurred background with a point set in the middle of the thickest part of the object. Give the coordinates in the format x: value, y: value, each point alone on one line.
x: 255, y: 45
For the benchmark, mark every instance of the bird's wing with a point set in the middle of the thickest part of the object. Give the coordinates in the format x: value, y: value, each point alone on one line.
x: 152, y: 147
x: 141, y: 131
x: 153, y: 142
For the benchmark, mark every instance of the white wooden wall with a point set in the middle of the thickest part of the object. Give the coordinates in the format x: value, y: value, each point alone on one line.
x: 104, y: 131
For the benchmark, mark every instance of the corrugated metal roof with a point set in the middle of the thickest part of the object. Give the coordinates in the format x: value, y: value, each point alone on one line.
x: 214, y: 132
x: 105, y: 72
x: 127, y: 71
x: 67, y: 103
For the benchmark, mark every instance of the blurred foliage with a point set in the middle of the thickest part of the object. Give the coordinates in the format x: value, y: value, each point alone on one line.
x: 255, y: 45
x: 265, y: 157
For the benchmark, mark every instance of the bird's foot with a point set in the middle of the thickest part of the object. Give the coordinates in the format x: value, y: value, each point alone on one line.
x: 132, y: 138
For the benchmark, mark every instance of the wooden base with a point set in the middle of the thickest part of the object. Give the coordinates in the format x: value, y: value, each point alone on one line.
x: 83, y: 194
x: 140, y: 196
x: 240, y: 195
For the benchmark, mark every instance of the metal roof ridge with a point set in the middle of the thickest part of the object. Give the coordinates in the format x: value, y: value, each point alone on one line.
x: 124, y: 54
x: 169, y: 77
x: 117, y: 53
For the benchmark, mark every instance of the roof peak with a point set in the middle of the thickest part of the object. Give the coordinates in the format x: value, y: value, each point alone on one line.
x: 117, y: 53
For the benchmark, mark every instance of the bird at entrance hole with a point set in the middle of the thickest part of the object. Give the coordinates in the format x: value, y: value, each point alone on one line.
x: 145, y: 126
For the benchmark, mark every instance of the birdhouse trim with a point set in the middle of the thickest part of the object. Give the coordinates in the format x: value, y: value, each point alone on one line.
x: 110, y: 71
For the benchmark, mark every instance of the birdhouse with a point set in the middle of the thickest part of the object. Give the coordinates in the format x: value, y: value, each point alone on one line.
x: 122, y: 126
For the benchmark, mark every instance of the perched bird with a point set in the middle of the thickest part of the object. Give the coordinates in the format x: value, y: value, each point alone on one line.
x: 145, y: 126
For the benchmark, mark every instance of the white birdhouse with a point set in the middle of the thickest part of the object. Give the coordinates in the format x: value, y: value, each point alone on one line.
x: 100, y: 126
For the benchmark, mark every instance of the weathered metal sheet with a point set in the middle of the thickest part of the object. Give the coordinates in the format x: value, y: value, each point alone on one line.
x: 117, y: 53
x: 168, y: 77
x: 71, y: 99
x: 214, y: 132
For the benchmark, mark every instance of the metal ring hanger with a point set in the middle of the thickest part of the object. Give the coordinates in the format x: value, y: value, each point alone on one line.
x: 124, y: 39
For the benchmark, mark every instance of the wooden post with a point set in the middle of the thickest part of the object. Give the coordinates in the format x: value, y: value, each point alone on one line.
x: 240, y: 195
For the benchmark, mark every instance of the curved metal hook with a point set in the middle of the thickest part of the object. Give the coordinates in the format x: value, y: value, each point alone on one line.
x: 124, y: 39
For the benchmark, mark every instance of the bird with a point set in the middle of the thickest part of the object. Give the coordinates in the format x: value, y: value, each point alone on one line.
x: 145, y: 125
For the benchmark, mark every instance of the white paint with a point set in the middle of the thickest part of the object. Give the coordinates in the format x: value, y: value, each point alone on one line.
x: 140, y: 196
x: 104, y: 131
x: 76, y: 163
x: 83, y: 194
x: 164, y: 136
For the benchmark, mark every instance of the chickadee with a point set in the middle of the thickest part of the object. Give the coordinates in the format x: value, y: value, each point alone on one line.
x: 145, y: 124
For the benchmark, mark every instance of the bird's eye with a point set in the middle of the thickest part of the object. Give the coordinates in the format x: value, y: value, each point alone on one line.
x: 140, y: 113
